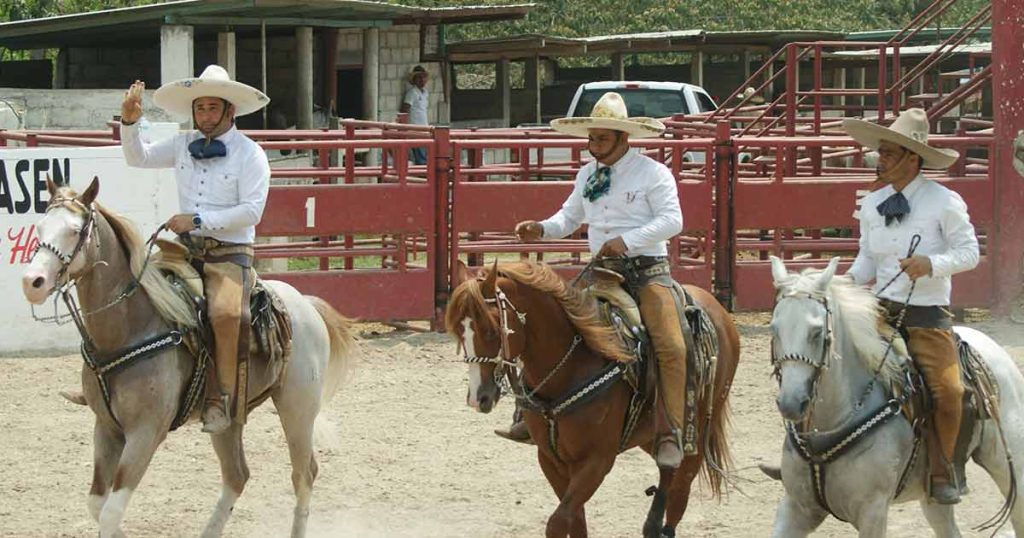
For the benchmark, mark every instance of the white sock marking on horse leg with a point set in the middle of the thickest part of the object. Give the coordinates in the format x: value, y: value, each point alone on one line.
x: 95, y: 504
x: 475, y: 379
x: 221, y: 512
x: 113, y: 512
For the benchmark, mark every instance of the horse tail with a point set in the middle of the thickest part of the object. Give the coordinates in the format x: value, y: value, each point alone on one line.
x: 717, y: 455
x: 343, y: 347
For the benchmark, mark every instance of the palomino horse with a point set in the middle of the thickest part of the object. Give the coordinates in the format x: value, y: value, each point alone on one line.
x: 125, y: 301
x: 525, y: 313
x: 849, y: 451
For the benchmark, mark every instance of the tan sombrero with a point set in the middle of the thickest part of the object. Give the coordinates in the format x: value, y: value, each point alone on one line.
x: 415, y: 71
x: 909, y: 131
x: 609, y: 113
x: 176, y: 97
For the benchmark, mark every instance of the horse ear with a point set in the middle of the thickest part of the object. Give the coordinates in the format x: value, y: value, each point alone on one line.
x: 827, y: 274
x: 51, y: 187
x: 90, y: 193
x: 491, y: 282
x: 461, y: 274
x: 779, y: 272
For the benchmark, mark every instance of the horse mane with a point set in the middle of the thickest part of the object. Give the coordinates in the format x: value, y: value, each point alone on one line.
x: 467, y: 300
x: 859, y: 314
x: 171, y: 306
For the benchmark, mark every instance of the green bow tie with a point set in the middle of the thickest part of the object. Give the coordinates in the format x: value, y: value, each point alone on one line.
x: 598, y: 184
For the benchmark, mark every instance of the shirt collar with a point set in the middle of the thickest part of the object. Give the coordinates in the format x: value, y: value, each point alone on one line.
x: 907, y: 191
x: 622, y: 162
x: 226, y: 137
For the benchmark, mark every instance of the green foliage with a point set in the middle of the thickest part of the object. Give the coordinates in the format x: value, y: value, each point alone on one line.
x: 578, y: 18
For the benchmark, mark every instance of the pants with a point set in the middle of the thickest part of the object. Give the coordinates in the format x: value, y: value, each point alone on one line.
x: 663, y: 320
x: 418, y: 155
x: 933, y: 349
x: 228, y: 279
x: 935, y: 354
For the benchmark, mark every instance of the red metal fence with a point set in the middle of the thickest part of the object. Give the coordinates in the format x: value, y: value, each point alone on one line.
x: 378, y: 237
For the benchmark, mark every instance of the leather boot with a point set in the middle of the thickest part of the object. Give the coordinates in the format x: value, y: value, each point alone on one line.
x: 945, y: 489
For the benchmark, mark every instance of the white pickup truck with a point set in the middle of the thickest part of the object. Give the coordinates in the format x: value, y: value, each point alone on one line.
x: 650, y: 99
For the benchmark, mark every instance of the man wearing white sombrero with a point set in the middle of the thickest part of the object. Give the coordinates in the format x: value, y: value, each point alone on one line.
x: 223, y: 178
x: 631, y: 203
x: 891, y: 218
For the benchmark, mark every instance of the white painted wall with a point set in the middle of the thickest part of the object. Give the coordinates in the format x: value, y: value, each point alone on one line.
x: 146, y: 196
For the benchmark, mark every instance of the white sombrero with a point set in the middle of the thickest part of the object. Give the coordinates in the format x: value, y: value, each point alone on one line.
x: 176, y: 97
x: 909, y: 131
x: 609, y: 113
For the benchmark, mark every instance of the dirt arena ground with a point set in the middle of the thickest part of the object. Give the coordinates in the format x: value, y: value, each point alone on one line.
x: 410, y: 459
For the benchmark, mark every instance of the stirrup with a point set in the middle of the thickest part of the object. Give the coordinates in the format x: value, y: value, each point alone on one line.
x: 668, y: 452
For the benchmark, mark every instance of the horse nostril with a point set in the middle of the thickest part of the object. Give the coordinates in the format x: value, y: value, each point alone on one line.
x: 38, y: 282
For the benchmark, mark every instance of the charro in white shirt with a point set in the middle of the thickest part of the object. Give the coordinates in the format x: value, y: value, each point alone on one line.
x: 229, y: 193
x: 939, y: 216
x: 642, y: 206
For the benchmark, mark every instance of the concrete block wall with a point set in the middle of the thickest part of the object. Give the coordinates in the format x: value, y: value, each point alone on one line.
x: 73, y: 109
x: 399, y: 53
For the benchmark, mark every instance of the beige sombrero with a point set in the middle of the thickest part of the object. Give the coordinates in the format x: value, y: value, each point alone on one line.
x: 609, y: 113
x: 910, y: 131
x: 176, y: 97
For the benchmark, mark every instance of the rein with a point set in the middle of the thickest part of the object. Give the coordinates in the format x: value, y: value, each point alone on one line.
x: 106, y: 363
x: 799, y: 437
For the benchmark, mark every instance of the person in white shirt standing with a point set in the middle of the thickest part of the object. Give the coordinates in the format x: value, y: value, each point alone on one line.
x: 223, y: 179
x: 415, y: 103
x: 914, y: 235
x: 631, y: 204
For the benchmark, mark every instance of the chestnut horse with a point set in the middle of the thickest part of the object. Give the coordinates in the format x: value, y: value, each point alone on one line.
x: 523, y: 313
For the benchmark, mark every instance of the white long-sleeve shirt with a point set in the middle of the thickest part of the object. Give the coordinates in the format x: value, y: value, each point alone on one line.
x: 940, y: 216
x: 228, y: 192
x: 642, y: 206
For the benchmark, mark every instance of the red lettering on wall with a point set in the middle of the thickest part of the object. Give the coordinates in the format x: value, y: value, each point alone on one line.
x: 25, y: 243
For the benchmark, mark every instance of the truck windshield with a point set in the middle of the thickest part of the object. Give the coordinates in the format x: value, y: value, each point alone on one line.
x: 639, y: 102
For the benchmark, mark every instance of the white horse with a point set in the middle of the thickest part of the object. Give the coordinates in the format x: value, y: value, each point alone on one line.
x: 125, y: 303
x: 827, y: 348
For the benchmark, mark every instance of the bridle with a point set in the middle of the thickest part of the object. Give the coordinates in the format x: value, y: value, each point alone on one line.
x: 504, y: 361
x: 84, y: 237
x: 828, y: 353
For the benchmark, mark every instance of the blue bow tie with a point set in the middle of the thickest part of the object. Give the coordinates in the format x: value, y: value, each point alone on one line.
x: 200, y: 149
x: 894, y: 207
x: 598, y: 184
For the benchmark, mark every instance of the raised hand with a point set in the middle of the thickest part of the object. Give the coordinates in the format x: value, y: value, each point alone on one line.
x: 131, y: 107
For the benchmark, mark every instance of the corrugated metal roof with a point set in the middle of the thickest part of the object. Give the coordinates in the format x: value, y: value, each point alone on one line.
x: 528, y: 45
x: 125, y: 24
x: 918, y: 50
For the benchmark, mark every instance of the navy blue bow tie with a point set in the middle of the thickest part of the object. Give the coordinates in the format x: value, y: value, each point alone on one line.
x: 200, y: 149
x: 894, y: 207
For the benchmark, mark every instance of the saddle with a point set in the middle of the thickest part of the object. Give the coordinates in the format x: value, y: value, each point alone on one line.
x: 621, y: 311
x: 981, y: 392
x: 271, y: 335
